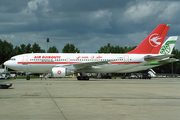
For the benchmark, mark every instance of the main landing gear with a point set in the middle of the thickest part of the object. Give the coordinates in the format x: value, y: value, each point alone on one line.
x: 82, y: 78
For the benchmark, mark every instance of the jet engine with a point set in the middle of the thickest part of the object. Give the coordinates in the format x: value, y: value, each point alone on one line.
x: 61, y: 72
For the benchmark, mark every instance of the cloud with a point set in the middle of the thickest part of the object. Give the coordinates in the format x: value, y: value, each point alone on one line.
x: 35, y: 4
x: 88, y: 24
x: 142, y: 12
x: 170, y: 13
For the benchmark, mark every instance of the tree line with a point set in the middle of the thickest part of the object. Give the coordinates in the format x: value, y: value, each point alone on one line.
x: 7, y: 51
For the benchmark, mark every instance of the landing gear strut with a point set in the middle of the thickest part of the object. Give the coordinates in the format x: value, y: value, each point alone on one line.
x: 83, y: 76
x: 28, y: 77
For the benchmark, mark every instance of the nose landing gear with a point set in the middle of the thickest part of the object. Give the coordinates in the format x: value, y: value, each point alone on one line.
x: 28, y: 77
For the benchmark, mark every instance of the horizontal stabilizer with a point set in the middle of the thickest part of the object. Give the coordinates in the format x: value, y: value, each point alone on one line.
x: 169, y: 60
x: 150, y: 58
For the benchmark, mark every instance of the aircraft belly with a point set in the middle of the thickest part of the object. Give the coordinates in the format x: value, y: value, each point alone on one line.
x: 39, y: 68
x: 17, y: 68
x: 115, y: 68
x: 121, y: 67
x: 139, y: 68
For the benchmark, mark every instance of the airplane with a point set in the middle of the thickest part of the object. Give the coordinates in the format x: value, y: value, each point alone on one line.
x: 167, y: 48
x: 64, y: 64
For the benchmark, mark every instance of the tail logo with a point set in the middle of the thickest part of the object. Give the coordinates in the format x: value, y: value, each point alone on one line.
x: 153, y: 40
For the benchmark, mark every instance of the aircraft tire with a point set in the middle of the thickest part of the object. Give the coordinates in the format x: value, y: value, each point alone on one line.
x: 78, y: 78
x: 86, y: 78
x: 82, y: 78
x: 28, y: 78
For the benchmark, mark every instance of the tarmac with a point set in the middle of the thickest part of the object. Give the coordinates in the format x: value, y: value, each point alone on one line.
x: 96, y: 99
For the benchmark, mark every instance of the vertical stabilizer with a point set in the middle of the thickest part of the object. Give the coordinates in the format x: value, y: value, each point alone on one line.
x: 153, y: 42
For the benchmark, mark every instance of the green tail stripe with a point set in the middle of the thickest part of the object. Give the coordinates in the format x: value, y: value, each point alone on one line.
x: 170, y: 42
x: 157, y: 63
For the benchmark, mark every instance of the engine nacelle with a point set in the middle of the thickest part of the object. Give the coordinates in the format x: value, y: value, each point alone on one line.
x: 61, y: 72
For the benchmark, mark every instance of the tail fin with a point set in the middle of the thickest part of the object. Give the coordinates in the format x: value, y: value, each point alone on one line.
x: 168, y: 45
x: 153, y: 42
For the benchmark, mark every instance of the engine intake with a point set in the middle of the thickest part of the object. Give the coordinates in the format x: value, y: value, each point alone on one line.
x: 61, y: 72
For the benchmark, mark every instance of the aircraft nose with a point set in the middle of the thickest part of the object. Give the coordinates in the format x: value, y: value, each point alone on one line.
x: 6, y: 63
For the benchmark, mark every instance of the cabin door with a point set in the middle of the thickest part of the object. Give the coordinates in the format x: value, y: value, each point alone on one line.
x: 126, y: 59
x: 68, y: 60
x: 25, y: 60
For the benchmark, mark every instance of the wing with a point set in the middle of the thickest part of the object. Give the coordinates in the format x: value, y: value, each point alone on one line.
x: 79, y: 66
x: 89, y: 64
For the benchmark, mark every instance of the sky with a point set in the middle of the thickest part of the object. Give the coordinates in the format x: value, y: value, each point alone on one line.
x: 88, y: 24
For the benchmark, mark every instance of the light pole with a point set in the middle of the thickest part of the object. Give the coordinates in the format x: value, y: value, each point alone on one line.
x: 47, y: 43
x: 172, y: 68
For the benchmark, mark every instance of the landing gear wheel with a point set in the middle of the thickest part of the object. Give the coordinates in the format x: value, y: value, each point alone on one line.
x: 86, y: 78
x: 28, y: 77
x: 82, y: 78
x: 78, y: 78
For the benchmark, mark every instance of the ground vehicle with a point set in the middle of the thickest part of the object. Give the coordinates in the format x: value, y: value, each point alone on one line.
x: 146, y: 76
x: 5, y: 85
x: 5, y: 75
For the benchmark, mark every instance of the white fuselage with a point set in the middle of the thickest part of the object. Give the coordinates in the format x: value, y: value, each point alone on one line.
x: 44, y: 62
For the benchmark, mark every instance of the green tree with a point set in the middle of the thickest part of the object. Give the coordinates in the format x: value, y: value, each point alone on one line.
x: 16, y: 51
x: 1, y: 50
x: 176, y: 65
x: 23, y: 48
x: 37, y: 49
x: 5, y: 51
x: 170, y: 67
x: 53, y: 50
x: 115, y: 49
x: 42, y: 51
x: 28, y: 48
x: 70, y: 48
x: 127, y: 49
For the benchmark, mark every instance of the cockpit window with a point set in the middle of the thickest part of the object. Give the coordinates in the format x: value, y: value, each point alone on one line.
x: 13, y: 59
